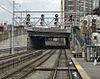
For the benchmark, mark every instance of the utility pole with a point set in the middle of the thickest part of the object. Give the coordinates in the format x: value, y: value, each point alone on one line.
x: 12, y: 31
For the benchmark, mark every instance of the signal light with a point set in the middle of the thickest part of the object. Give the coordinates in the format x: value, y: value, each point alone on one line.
x: 28, y: 19
x: 56, y: 23
x: 27, y: 23
x: 41, y: 23
x: 56, y: 19
x: 42, y: 19
x: 42, y: 15
x: 28, y: 15
x: 70, y: 18
x: 56, y: 15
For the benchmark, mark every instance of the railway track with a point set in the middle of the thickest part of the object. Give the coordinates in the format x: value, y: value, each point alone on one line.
x: 7, y: 50
x: 14, y: 55
x: 62, y: 62
x: 21, y: 58
x: 29, y: 67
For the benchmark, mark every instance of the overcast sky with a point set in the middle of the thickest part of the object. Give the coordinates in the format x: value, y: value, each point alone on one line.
x: 27, y: 5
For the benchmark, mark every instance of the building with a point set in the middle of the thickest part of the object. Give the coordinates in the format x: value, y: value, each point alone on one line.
x: 96, y: 4
x: 96, y: 10
x: 77, y: 8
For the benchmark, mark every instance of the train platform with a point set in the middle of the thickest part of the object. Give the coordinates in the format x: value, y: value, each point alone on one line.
x: 87, y: 69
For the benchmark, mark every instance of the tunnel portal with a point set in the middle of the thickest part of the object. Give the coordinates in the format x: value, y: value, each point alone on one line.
x: 37, y: 42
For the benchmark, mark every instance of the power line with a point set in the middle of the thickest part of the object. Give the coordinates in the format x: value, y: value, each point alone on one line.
x: 11, y: 4
x: 6, y: 9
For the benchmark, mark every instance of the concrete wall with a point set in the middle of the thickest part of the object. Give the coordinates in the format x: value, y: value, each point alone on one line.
x: 20, y: 39
x: 7, y: 35
x: 4, y: 35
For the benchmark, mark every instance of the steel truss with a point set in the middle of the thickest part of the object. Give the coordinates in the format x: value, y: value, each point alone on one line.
x: 49, y: 18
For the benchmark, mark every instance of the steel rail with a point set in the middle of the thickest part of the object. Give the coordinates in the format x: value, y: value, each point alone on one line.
x: 11, y: 62
x: 57, y: 63
x: 67, y: 63
x: 14, y: 55
x: 29, y: 67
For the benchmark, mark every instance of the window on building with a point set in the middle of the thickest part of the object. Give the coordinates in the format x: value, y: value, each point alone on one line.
x: 82, y: 14
x: 82, y: 3
x: 70, y: 8
x: 77, y: 7
x: 86, y: 5
x: 77, y: 2
x: 77, y: 14
x: 90, y: 5
x: 86, y: 9
x: 81, y: 9
x: 70, y: 2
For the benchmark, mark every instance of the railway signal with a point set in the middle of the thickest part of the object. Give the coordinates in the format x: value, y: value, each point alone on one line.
x: 28, y: 19
x: 56, y: 20
x: 70, y: 18
x: 42, y: 20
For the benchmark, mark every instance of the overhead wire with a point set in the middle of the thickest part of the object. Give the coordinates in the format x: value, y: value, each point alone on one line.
x: 6, y: 9
x: 2, y: 7
x: 11, y: 4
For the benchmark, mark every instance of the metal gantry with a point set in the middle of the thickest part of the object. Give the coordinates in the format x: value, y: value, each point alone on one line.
x: 48, y: 19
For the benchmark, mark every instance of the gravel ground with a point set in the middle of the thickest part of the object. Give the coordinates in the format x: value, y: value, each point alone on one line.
x: 44, y: 74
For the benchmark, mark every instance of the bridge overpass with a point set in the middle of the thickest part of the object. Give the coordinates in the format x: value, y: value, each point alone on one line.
x: 38, y: 36
x: 49, y: 32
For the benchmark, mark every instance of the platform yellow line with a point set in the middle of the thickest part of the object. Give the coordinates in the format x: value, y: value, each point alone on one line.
x: 82, y: 72
x: 78, y: 67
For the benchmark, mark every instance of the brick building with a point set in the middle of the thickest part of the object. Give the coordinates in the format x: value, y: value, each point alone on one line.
x: 74, y: 7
